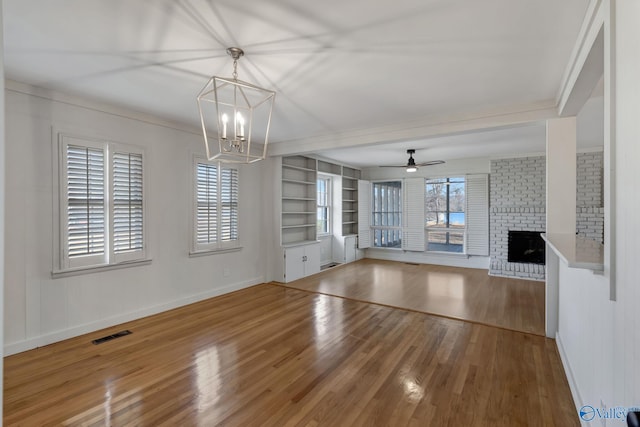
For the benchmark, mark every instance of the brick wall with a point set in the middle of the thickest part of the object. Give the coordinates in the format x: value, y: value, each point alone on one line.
x: 589, y: 199
x: 518, y: 202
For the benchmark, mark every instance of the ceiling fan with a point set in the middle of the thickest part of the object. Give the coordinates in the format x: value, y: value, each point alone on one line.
x: 411, y: 165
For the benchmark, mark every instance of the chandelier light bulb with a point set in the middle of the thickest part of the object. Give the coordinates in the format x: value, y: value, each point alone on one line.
x: 225, y: 120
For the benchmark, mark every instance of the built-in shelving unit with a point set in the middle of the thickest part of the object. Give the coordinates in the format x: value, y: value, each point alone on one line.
x: 299, y: 175
x: 350, y: 178
x: 326, y: 167
x: 299, y: 180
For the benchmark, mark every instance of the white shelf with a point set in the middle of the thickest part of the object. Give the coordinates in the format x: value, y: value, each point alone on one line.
x: 298, y: 213
x: 300, y: 198
x: 298, y: 226
x: 348, y: 222
x: 300, y: 243
x: 300, y: 168
x: 296, y: 181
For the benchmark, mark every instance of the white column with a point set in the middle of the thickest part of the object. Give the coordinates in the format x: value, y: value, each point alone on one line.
x: 561, y: 175
x: 561, y: 204
x: 2, y: 172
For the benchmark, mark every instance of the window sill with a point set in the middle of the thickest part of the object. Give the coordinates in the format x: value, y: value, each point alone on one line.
x: 206, y: 252
x: 98, y: 268
x: 447, y: 254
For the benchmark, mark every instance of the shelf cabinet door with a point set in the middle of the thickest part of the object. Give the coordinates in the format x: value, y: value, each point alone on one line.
x: 301, y: 261
x: 294, y: 263
x: 350, y: 249
x: 312, y: 259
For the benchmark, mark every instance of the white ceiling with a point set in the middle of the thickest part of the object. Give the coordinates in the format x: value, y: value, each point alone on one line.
x: 337, y: 65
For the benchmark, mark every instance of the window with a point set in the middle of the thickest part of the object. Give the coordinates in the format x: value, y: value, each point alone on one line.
x: 323, y: 198
x: 215, y: 207
x: 101, y: 201
x: 445, y: 214
x: 387, y: 211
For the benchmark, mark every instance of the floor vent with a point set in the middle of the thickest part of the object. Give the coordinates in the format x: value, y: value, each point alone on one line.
x: 111, y: 337
x: 333, y: 264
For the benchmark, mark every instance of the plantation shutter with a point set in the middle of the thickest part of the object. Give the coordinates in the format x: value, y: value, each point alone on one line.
x: 206, y: 204
x: 229, y: 205
x: 127, y: 203
x: 413, y: 230
x: 477, y: 214
x: 364, y: 214
x: 85, y: 191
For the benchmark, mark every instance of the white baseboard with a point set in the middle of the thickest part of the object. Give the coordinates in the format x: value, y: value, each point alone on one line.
x: 573, y: 386
x: 450, y: 260
x: 516, y: 277
x: 50, y: 338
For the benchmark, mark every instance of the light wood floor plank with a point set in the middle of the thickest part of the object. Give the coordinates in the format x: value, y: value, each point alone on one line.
x: 458, y: 293
x: 273, y: 356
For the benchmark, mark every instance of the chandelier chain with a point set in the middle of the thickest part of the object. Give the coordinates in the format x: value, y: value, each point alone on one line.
x: 235, y: 69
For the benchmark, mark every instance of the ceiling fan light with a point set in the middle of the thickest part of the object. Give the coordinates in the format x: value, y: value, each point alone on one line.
x: 412, y: 169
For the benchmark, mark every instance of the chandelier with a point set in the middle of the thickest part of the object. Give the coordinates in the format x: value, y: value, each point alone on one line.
x: 235, y: 117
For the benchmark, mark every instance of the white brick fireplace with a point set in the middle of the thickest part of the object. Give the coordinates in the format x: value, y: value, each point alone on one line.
x: 518, y: 203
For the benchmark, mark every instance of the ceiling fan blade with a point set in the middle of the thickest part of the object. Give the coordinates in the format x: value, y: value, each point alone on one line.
x: 392, y: 166
x: 431, y: 163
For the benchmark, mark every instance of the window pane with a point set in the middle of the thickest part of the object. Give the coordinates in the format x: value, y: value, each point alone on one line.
x: 445, y: 209
x: 387, y: 214
x: 85, y: 201
x: 323, y: 197
x: 207, y: 206
x: 229, y: 205
x: 127, y: 202
x: 445, y: 241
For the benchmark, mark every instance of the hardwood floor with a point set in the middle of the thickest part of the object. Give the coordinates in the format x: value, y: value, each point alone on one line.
x: 458, y: 293
x: 274, y: 356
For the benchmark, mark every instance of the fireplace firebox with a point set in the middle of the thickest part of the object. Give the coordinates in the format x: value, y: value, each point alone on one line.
x: 526, y: 247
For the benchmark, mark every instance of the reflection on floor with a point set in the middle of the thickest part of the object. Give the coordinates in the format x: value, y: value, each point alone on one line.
x: 275, y: 356
x: 459, y: 293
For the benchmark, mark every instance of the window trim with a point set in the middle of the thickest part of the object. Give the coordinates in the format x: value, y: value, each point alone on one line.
x: 196, y: 249
x: 61, y: 263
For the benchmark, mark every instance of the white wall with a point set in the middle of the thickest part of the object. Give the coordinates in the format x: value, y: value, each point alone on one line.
x: 584, y: 338
x: 40, y: 309
x: 599, y: 339
x: 2, y: 205
x: 626, y: 326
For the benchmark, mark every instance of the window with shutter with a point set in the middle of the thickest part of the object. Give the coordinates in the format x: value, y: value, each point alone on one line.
x: 216, y: 212
x: 85, y: 206
x: 127, y: 205
x: 229, y: 205
x: 207, y: 206
x: 101, y: 204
